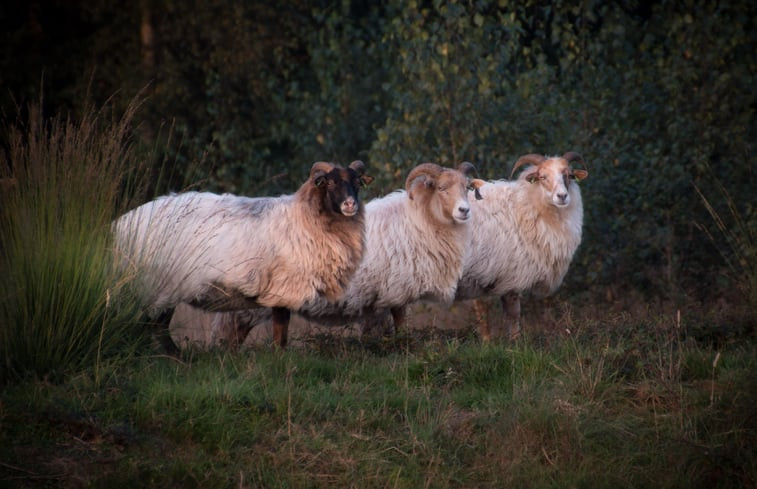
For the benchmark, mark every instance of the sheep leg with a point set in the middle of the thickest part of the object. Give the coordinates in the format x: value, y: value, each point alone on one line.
x: 511, y: 314
x: 483, y: 324
x: 164, y: 333
x: 243, y: 328
x: 229, y: 329
x: 223, y: 329
x: 398, y: 318
x: 280, y: 326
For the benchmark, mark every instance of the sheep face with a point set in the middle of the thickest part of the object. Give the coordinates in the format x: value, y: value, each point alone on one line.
x: 553, y: 175
x: 442, y: 192
x: 338, y: 187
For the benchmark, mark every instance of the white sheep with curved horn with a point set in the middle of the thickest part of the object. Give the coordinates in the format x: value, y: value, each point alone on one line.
x: 526, y: 233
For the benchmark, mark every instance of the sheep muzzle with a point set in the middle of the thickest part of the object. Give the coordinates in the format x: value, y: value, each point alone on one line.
x: 349, y: 207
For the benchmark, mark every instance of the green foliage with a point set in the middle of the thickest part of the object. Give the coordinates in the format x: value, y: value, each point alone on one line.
x: 660, y: 104
x: 454, y: 91
x: 64, y: 305
x: 336, y: 94
x: 209, y: 77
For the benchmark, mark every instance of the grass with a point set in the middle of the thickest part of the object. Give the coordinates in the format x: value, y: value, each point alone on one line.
x: 64, y: 306
x: 736, y: 240
x: 616, y: 405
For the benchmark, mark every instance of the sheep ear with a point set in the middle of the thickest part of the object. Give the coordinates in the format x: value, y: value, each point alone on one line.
x: 319, y: 179
x: 579, y: 175
x: 474, y: 185
x: 359, y: 168
x: 532, y: 175
x: 366, y: 180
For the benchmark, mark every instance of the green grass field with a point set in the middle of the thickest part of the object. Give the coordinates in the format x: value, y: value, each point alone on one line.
x: 625, y: 402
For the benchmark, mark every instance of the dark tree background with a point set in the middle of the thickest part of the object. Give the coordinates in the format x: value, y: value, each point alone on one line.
x: 243, y: 96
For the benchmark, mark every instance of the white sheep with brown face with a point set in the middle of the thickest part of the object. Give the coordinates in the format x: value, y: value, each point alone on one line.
x: 226, y: 252
x: 415, y: 243
x: 526, y: 233
x: 416, y: 240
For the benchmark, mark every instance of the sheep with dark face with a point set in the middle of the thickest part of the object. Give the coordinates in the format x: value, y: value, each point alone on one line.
x: 526, y: 233
x: 226, y: 252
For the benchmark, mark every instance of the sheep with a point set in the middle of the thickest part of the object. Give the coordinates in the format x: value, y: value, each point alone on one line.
x: 526, y: 232
x: 415, y: 243
x: 227, y: 252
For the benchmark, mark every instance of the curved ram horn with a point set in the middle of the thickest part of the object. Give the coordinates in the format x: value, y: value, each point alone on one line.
x: 431, y: 169
x: 572, y: 156
x: 423, y: 169
x: 358, y: 166
x: 318, y: 171
x: 576, y: 173
x: 529, y: 159
x: 321, y: 166
x: 467, y: 168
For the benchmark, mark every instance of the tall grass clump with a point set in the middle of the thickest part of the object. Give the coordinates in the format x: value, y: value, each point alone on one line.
x: 63, y: 305
x: 737, y: 229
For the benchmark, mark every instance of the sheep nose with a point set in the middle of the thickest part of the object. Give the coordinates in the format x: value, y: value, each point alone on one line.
x: 463, y: 210
x: 349, y: 206
x: 562, y: 196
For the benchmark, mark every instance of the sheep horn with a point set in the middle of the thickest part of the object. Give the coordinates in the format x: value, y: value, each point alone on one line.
x: 572, y: 156
x: 358, y: 166
x: 319, y: 170
x: 576, y: 173
x: 321, y: 166
x: 421, y: 170
x: 529, y: 159
x: 467, y: 168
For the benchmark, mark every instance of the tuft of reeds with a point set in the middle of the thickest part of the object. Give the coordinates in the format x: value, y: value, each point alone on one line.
x: 737, y: 241
x: 63, y: 304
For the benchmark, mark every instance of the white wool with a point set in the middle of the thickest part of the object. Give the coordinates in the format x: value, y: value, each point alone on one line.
x: 187, y: 244
x: 519, y: 246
